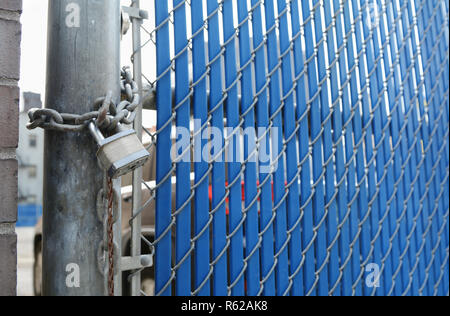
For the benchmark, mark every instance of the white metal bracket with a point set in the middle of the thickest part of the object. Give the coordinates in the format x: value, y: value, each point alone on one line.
x: 129, y: 14
x: 135, y: 13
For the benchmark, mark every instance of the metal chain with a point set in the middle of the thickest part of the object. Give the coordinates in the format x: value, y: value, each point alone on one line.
x: 110, y: 230
x: 106, y: 114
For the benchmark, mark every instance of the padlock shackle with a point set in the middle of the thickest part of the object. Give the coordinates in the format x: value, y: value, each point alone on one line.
x: 96, y: 133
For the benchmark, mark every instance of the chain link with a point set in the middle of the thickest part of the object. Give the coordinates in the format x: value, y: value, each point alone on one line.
x: 110, y: 232
x: 107, y: 114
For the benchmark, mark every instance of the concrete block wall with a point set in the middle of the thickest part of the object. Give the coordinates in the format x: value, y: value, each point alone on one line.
x: 10, y: 35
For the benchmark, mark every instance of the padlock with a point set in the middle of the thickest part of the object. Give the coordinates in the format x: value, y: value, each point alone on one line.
x: 119, y: 154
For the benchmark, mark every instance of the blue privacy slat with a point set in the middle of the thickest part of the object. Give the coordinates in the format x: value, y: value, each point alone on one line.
x: 373, y: 64
x: 393, y: 252
x: 349, y: 86
x: 446, y: 194
x: 442, y: 20
x: 282, y: 270
x: 337, y: 192
x: 428, y: 205
x: 219, y: 241
x: 352, y: 192
x: 432, y: 172
x: 434, y: 274
x: 265, y: 177
x: 251, y: 204
x: 163, y: 162
x: 444, y: 45
x: 413, y: 143
x: 373, y: 208
x: 202, y: 245
x: 400, y: 276
x: 182, y: 101
x: 442, y: 102
x: 377, y: 103
x: 428, y: 219
x: 433, y: 265
x: 308, y: 267
x: 321, y: 282
x: 320, y: 136
x: 446, y: 105
x: 329, y: 211
x: 360, y: 135
x: 290, y: 137
x: 400, y: 162
x: 410, y: 284
x: 416, y: 164
x: 432, y: 222
x: 337, y: 54
x: 234, y: 167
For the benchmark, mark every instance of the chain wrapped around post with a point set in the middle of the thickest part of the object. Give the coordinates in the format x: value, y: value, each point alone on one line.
x: 107, y: 117
x: 106, y: 114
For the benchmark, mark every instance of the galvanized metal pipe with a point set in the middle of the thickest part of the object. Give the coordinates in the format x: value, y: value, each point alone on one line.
x: 83, y: 64
x: 137, y: 174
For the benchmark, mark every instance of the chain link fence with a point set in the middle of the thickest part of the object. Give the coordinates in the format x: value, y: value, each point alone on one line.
x: 317, y: 156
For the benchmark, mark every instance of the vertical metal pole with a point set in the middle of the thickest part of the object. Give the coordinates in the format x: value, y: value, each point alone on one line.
x: 83, y: 64
x: 137, y: 174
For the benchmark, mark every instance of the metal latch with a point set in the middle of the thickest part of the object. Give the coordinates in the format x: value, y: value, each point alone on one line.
x: 136, y: 263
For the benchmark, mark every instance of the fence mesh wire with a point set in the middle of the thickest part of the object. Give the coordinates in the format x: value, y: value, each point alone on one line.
x: 350, y: 97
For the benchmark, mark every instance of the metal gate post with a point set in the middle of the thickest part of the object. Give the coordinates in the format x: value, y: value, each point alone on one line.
x: 138, y: 174
x: 83, y: 65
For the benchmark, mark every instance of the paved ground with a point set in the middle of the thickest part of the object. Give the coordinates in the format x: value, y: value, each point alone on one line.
x: 25, y: 260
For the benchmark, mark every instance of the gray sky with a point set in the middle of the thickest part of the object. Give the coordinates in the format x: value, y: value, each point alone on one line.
x: 34, y: 43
